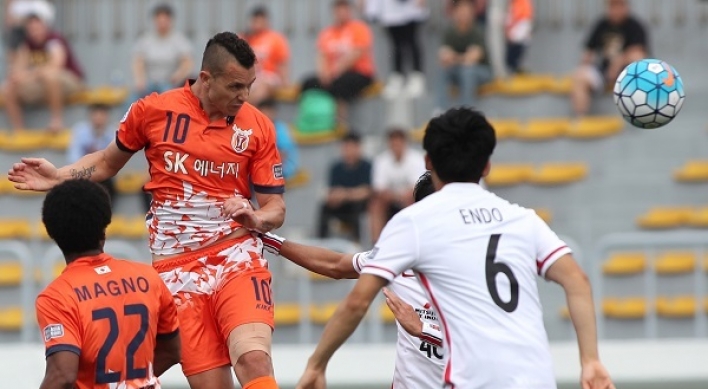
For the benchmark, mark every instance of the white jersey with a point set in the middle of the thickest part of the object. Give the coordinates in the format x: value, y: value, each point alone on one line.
x: 419, y: 361
x: 477, y: 257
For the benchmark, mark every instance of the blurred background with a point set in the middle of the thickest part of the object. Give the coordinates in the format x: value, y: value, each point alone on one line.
x: 351, y: 86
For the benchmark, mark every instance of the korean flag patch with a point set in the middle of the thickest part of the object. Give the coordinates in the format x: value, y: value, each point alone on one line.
x: 53, y: 331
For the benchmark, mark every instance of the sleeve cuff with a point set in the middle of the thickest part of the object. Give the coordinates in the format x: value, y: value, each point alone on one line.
x: 168, y: 335
x: 62, y: 347
x: 264, y: 189
x: 123, y: 147
x: 359, y: 261
x: 431, y: 334
x: 544, y: 264
x: 379, y: 272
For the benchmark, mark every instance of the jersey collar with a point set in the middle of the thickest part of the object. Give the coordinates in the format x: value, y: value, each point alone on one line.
x: 462, y: 187
x: 195, y: 101
x: 90, y: 261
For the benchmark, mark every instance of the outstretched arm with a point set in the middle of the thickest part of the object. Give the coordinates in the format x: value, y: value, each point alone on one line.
x: 315, y: 259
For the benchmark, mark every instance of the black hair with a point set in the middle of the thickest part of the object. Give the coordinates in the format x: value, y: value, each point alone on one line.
x: 423, y: 187
x: 163, y: 8
x: 259, y: 12
x: 396, y: 132
x: 459, y: 144
x: 99, y: 106
x: 268, y: 103
x: 340, y: 3
x: 352, y: 136
x: 224, y: 47
x: 76, y: 214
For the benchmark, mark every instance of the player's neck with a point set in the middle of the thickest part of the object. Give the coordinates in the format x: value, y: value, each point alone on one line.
x: 198, y: 90
x: 73, y: 257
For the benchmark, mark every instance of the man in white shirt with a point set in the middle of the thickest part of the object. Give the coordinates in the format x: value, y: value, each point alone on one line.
x: 477, y: 257
x: 394, y: 173
x: 419, y: 352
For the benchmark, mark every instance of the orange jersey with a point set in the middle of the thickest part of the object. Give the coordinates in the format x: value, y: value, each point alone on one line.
x: 271, y: 50
x: 196, y: 165
x: 109, y: 312
x: 337, y: 41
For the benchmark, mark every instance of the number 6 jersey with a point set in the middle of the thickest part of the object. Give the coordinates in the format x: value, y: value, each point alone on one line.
x: 478, y: 257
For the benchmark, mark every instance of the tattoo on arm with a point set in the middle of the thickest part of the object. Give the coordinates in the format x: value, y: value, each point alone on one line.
x: 83, y: 173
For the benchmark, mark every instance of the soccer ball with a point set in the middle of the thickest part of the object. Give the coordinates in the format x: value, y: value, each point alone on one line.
x: 649, y: 93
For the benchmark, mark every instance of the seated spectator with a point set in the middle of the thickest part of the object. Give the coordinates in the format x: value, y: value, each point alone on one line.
x: 463, y: 58
x: 273, y: 54
x: 345, y: 65
x: 284, y: 140
x: 518, y: 27
x: 91, y: 135
x: 394, y: 175
x: 162, y: 58
x: 617, y: 40
x: 44, y: 70
x: 349, y: 188
x: 16, y: 11
x: 479, y: 8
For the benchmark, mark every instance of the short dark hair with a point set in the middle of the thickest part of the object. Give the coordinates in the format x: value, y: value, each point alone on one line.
x: 163, y: 8
x: 352, y: 136
x: 99, y: 107
x: 423, y: 187
x: 459, y: 144
x: 223, y: 47
x: 259, y: 12
x: 341, y: 3
x: 397, y: 132
x: 76, y: 214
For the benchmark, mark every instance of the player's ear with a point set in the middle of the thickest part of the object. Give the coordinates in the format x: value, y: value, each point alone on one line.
x: 205, y: 77
x: 486, y: 170
x: 428, y: 164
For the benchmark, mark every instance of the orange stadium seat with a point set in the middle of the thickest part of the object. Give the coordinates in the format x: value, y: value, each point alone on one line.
x: 621, y: 264
x: 692, y: 171
x: 559, y: 173
x: 680, y: 307
x: 543, y: 129
x: 624, y: 308
x: 675, y: 262
x: 665, y: 217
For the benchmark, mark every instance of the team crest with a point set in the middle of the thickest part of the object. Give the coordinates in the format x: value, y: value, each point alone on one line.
x: 240, y: 139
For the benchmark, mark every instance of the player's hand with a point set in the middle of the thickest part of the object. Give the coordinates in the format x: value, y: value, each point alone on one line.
x: 241, y: 210
x: 404, y: 314
x: 36, y: 174
x: 312, y: 379
x: 595, y: 376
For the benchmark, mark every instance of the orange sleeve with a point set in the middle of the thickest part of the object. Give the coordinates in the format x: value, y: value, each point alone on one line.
x: 266, y: 167
x: 322, y: 41
x: 167, y: 324
x: 59, y: 325
x: 282, y: 52
x: 131, y: 132
x: 362, y: 36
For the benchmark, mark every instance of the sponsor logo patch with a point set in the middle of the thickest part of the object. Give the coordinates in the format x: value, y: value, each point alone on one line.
x: 53, y: 331
x: 278, y: 171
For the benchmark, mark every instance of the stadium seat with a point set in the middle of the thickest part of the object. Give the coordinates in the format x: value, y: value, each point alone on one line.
x: 544, y: 214
x: 504, y: 128
x: 564, y: 313
x: 15, y: 229
x: 595, y: 127
x: 318, y: 277
x: 319, y: 138
x: 10, y: 319
x: 287, y: 314
x: 559, y: 85
x: 508, y: 174
x: 8, y: 188
x: 291, y: 93
x: 543, y: 129
x: 130, y: 182
x: 58, y: 269
x: 300, y: 179
x: 518, y: 85
x: 10, y: 273
x: 621, y: 264
x: 558, y: 173
x: 34, y: 140
x: 386, y: 314
x: 320, y: 314
x: 692, y: 171
x: 624, y: 308
x: 677, y: 262
x: 698, y: 218
x: 676, y: 307
x: 665, y: 217
x: 106, y: 95
x: 127, y: 227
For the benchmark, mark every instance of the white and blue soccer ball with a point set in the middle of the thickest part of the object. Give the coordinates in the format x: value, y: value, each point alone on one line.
x: 649, y: 93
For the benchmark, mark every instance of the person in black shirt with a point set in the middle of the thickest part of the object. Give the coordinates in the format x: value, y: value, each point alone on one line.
x: 617, y: 40
x: 349, y: 188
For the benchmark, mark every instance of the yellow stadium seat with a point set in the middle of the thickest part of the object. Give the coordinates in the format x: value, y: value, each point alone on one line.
x: 300, y: 179
x: 59, y: 141
x: 624, y: 308
x: 620, y: 264
x: 320, y: 314
x: 418, y: 133
x: 131, y: 182
x: 58, y: 269
x: 373, y: 90
x: 318, y: 277
x: 10, y: 319
x: 544, y: 214
x: 543, y: 129
x: 564, y: 313
x: 10, y: 273
x: 676, y: 307
x: 106, y: 95
x: 559, y: 85
x: 519, y: 85
x: 508, y: 174
x: 287, y: 314
x: 131, y: 228
x: 291, y: 93
x: 698, y: 218
x: 692, y: 171
x: 7, y: 187
x: 505, y: 128
x: 386, y: 314
x: 558, y: 173
x: 665, y: 217
x: 319, y: 138
x: 596, y: 127
x: 15, y: 229
x: 676, y: 262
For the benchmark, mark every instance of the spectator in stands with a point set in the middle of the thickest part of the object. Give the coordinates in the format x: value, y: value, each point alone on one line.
x: 91, y: 135
x: 518, y: 27
x: 463, y: 58
x: 617, y: 40
x: 401, y: 18
x: 394, y: 175
x: 273, y: 54
x: 349, y: 188
x: 479, y: 8
x: 16, y: 11
x: 284, y: 140
x: 162, y: 58
x: 44, y: 70
x: 345, y: 64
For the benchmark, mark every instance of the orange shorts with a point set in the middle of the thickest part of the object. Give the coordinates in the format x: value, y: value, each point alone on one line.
x: 216, y: 290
